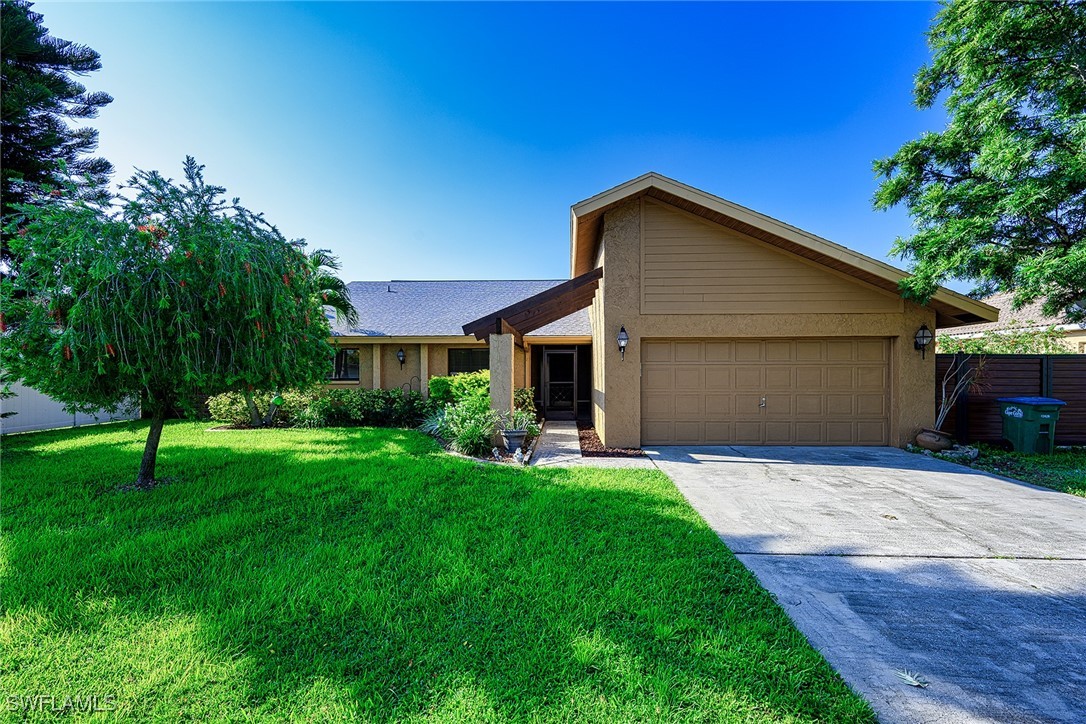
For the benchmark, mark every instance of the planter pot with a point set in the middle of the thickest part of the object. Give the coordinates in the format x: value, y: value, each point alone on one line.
x: 934, y: 440
x: 513, y: 439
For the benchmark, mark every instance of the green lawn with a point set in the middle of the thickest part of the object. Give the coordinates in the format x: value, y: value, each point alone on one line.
x: 1064, y: 470
x: 356, y: 573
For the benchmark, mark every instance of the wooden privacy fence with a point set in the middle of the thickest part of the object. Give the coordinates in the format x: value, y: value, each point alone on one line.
x: 975, y: 417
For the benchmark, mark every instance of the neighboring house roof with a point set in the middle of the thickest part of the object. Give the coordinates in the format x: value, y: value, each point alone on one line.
x: 1028, y: 317
x: 952, y: 309
x: 439, y: 308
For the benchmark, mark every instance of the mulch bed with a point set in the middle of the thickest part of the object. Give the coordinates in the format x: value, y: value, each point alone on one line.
x: 591, y: 447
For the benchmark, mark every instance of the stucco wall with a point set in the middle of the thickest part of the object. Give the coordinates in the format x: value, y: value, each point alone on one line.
x: 437, y: 356
x: 599, y: 372
x: 619, y: 403
x: 394, y: 377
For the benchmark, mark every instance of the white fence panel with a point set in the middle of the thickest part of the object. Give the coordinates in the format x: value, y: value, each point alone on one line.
x: 39, y: 412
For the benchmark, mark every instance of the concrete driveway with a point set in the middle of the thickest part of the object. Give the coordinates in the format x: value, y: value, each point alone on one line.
x: 890, y: 561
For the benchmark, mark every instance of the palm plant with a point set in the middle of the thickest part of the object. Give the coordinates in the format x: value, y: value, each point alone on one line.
x: 334, y: 291
x: 335, y: 295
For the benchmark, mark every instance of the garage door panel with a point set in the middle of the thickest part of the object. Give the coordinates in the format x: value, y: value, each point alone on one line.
x: 748, y: 351
x: 871, y: 432
x: 838, y: 405
x: 810, y: 405
x: 719, y: 352
x: 808, y: 433
x: 778, y: 405
x: 843, y: 351
x: 808, y: 351
x: 779, y: 378
x: 840, y: 377
x: 688, y: 352
x: 715, y: 430
x: 689, y: 378
x: 719, y: 406
x: 748, y: 433
x: 778, y: 433
x: 871, y: 351
x: 688, y: 433
x: 815, y: 392
x: 748, y: 405
x: 657, y: 378
x: 870, y: 405
x: 749, y: 378
x: 720, y: 377
x: 657, y: 406
x: 656, y: 352
x: 870, y: 378
x: 657, y: 433
x: 840, y: 433
x: 809, y: 378
x: 779, y: 351
x: 688, y: 407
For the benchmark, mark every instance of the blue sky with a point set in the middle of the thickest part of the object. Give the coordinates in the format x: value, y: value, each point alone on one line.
x: 443, y: 141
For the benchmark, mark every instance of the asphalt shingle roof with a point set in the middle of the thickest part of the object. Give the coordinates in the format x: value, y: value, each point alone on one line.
x: 1028, y: 317
x: 400, y: 308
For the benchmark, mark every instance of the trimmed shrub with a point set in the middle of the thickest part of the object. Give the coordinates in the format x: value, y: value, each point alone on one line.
x: 441, y: 390
x: 321, y: 407
x: 459, y: 387
x: 376, y: 408
x: 228, y: 408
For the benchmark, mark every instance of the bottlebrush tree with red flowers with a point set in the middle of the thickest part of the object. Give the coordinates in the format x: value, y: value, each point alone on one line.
x: 163, y: 293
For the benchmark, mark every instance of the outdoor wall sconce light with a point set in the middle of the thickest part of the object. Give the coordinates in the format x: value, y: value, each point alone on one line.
x: 623, y: 340
x: 401, y: 356
x: 923, y: 339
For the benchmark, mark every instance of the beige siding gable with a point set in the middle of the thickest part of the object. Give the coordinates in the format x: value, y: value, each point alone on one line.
x: 692, y: 266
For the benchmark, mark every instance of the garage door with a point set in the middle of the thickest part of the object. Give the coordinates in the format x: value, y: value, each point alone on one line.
x: 765, y: 392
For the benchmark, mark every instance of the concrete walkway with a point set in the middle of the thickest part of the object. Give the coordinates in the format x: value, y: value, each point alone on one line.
x: 560, y: 446
x: 890, y: 561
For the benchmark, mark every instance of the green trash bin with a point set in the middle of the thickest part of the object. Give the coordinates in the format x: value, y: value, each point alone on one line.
x: 1029, y: 423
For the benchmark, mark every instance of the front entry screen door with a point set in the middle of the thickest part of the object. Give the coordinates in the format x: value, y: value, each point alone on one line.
x: 559, y: 382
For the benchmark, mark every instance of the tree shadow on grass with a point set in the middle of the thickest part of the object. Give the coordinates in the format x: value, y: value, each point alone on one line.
x: 365, y: 574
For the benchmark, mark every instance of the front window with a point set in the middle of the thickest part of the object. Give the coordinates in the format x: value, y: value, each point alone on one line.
x: 345, y: 366
x: 468, y: 360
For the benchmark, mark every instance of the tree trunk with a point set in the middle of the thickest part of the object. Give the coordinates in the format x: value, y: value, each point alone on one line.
x: 254, y: 414
x: 273, y: 410
x: 146, y: 477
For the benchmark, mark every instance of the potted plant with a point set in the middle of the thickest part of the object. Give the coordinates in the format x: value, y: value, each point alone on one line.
x: 959, y: 377
x: 516, y: 427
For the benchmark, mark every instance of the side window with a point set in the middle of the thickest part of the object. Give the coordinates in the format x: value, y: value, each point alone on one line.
x: 345, y: 366
x: 468, y: 360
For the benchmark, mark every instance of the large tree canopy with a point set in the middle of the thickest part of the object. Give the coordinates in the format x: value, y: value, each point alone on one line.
x: 167, y: 294
x: 40, y: 95
x: 999, y: 196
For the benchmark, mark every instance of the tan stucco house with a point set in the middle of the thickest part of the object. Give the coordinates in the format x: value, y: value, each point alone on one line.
x: 741, y: 330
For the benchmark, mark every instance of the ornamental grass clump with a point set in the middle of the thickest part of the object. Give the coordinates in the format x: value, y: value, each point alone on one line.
x: 469, y: 426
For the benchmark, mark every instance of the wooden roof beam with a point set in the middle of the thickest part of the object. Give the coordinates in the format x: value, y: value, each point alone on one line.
x: 539, y: 309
